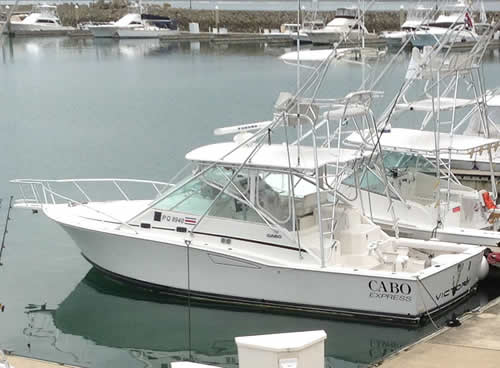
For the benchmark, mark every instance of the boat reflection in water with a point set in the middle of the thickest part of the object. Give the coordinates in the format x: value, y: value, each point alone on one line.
x: 151, y: 329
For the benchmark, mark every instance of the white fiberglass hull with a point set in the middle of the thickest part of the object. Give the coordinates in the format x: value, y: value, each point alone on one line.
x: 431, y: 37
x: 26, y: 27
x: 219, y: 275
x: 103, y: 31
x: 143, y: 33
x: 396, y: 38
x: 324, y: 37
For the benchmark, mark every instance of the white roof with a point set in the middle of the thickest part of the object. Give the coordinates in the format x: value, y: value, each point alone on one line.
x: 284, y: 342
x: 419, y: 141
x: 190, y: 365
x: 493, y: 101
x: 445, y: 104
x: 270, y: 156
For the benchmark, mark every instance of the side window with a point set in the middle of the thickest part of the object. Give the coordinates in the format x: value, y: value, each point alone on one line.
x: 273, y: 196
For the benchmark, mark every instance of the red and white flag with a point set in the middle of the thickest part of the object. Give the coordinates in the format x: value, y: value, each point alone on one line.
x: 468, y: 21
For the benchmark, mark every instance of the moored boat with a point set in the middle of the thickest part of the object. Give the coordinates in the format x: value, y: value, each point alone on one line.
x: 345, y: 24
x: 455, y: 24
x: 262, y: 223
x: 42, y: 18
x: 416, y: 18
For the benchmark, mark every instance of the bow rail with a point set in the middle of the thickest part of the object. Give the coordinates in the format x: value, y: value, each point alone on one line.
x: 37, y: 192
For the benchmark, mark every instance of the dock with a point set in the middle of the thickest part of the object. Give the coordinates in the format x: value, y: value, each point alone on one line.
x: 229, y: 37
x: 467, y: 46
x: 476, y: 343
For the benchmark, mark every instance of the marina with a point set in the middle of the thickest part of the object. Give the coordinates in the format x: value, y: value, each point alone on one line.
x: 219, y: 197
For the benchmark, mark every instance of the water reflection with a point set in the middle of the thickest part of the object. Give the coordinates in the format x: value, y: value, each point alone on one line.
x: 153, y: 328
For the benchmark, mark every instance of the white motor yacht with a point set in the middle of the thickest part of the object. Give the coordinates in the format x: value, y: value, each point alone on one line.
x: 454, y: 25
x: 345, y: 24
x: 128, y: 21
x: 416, y: 18
x: 42, y: 18
x: 261, y: 223
x: 135, y: 25
x: 152, y: 26
x: 296, y: 32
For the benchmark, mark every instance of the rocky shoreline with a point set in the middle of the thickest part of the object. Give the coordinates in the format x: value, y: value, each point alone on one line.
x: 234, y: 21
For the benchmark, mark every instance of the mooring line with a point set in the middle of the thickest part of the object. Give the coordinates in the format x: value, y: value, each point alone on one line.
x: 5, y: 231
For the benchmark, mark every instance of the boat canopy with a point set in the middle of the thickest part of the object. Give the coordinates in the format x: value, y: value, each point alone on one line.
x: 420, y: 141
x: 274, y: 156
x: 493, y: 101
x: 430, y: 105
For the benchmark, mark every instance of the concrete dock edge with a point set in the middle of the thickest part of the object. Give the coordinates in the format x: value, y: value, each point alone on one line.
x: 475, y: 343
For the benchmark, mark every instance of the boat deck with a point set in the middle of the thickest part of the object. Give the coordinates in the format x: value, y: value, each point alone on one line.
x: 476, y: 343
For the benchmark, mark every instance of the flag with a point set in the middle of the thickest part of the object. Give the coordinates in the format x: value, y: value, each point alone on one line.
x: 468, y: 21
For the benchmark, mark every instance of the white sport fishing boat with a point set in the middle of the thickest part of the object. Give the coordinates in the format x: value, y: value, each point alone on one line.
x: 473, y: 113
x: 128, y: 21
x: 261, y: 223
x: 416, y: 17
x: 455, y: 22
x: 152, y: 26
x: 465, y: 217
x: 42, y: 18
x: 430, y: 202
x: 345, y: 22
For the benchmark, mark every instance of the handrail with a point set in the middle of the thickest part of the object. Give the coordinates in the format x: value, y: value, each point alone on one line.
x: 36, y: 181
x: 42, y: 198
x: 52, y: 193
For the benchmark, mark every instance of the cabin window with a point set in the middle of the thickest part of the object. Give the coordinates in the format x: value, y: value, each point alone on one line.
x: 45, y: 21
x: 196, y: 196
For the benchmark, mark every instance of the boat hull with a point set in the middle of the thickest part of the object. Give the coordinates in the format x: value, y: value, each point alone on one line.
x: 220, y: 277
x: 103, y: 31
x: 328, y: 38
x: 143, y: 33
x: 421, y: 39
x: 15, y: 27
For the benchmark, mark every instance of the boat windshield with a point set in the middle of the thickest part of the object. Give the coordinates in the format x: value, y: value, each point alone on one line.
x: 404, y: 161
x: 251, y: 196
x: 346, y: 13
x: 369, y: 182
x: 395, y: 164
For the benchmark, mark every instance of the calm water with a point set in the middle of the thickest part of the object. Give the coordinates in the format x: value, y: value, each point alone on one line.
x: 79, y: 108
